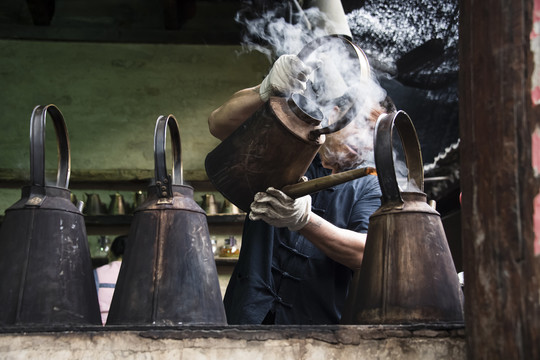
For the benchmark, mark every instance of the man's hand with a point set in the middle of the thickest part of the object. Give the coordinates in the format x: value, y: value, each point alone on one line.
x: 288, y: 74
x: 279, y: 210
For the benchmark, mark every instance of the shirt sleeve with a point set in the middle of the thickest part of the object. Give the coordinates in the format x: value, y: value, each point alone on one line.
x: 367, y: 201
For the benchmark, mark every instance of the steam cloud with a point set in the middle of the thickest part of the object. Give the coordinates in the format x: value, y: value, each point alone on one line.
x: 279, y: 31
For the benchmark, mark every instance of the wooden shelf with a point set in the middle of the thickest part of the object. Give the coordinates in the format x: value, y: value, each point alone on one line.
x: 226, y: 261
x: 220, y: 261
x: 119, y: 224
x: 107, y: 220
x: 118, y: 180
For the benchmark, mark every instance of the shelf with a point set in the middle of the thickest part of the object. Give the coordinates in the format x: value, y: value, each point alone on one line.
x: 117, y: 180
x: 107, y: 220
x: 119, y: 224
x: 226, y: 261
x: 220, y: 261
x: 226, y: 218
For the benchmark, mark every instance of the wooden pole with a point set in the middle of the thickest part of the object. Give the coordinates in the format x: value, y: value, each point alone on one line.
x: 497, y: 123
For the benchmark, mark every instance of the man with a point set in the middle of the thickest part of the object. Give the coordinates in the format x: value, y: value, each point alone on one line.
x: 297, y: 256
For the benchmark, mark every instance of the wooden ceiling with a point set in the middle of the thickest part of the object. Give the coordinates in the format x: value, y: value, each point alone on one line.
x: 158, y: 21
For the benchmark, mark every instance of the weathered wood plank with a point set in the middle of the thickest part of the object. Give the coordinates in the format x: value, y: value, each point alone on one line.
x: 496, y: 117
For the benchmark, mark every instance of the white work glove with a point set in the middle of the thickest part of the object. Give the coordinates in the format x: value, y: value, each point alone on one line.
x: 288, y: 74
x: 280, y: 210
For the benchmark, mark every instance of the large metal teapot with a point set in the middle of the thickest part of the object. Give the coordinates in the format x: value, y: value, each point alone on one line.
x: 46, y: 274
x: 168, y: 274
x: 407, y: 275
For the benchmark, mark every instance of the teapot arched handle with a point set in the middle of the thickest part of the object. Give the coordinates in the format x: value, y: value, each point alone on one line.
x: 364, y: 72
x: 37, y: 146
x: 163, y: 180
x: 384, y: 160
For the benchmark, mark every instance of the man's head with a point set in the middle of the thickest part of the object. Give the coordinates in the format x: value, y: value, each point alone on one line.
x: 352, y: 146
x: 118, y: 247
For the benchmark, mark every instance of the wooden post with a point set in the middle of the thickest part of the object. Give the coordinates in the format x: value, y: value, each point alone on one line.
x: 498, y: 122
x: 42, y: 11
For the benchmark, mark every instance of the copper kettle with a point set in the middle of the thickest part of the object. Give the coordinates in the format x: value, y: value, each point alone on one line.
x: 276, y: 145
x: 168, y: 275
x: 407, y: 275
x: 46, y: 273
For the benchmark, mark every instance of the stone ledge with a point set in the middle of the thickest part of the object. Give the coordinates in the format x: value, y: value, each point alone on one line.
x: 426, y: 342
x: 334, y: 334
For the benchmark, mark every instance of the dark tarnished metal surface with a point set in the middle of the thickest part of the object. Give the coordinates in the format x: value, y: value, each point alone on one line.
x: 46, y: 274
x: 407, y: 275
x: 168, y: 275
x: 271, y: 148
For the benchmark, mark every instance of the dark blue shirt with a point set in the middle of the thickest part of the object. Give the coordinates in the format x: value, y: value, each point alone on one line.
x: 282, y: 272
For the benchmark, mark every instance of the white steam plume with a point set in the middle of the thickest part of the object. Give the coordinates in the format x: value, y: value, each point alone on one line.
x: 337, y: 79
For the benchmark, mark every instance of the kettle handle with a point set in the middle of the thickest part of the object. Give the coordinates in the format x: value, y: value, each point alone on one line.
x: 37, y: 146
x: 162, y: 178
x: 384, y: 160
x: 364, y: 72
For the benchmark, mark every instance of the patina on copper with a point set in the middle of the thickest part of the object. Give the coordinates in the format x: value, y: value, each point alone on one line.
x: 407, y: 275
x: 168, y: 274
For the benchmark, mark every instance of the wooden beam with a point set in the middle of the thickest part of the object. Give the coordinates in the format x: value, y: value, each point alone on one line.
x: 42, y: 11
x: 176, y: 12
x: 502, y: 271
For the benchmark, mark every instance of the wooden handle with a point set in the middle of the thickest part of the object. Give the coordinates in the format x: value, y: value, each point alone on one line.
x: 312, y: 186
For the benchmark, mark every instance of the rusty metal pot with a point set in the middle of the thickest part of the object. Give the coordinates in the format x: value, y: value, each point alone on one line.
x: 168, y: 274
x: 407, y: 275
x: 46, y: 275
x: 276, y: 145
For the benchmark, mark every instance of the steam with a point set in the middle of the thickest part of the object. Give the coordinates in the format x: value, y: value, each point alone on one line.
x: 278, y: 35
x: 402, y: 174
x: 339, y: 80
